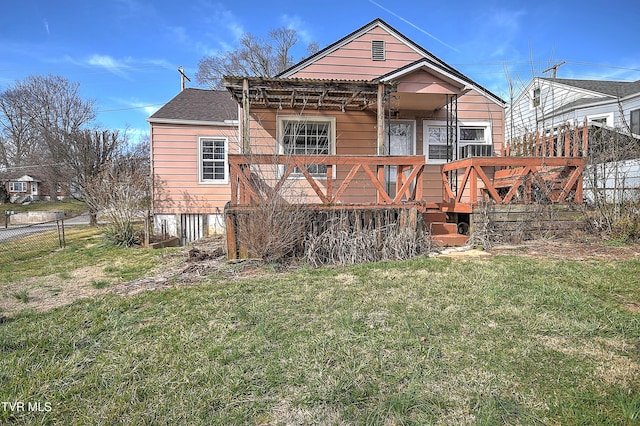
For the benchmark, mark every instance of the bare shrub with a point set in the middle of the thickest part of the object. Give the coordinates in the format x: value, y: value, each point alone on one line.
x: 484, y: 232
x: 273, y: 230
x: 343, y: 245
x: 121, y: 193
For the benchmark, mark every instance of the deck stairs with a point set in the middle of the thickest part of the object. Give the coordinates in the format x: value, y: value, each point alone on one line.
x: 443, y: 233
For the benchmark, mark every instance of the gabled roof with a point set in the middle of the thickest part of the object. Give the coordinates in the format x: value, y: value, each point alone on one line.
x: 23, y: 178
x: 198, y: 106
x: 449, y: 74
x: 618, y: 89
x: 429, y: 58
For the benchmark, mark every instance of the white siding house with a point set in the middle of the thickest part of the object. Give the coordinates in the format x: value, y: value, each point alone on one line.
x: 548, y: 102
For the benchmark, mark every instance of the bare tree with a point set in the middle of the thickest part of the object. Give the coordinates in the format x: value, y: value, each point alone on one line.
x: 121, y: 191
x: 255, y: 57
x: 18, y: 137
x: 86, y: 153
x: 43, y: 115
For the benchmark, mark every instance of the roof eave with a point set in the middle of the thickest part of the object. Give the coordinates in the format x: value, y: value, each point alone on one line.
x: 226, y: 123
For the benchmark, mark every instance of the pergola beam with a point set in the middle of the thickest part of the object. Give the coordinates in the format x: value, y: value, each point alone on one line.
x: 324, y: 94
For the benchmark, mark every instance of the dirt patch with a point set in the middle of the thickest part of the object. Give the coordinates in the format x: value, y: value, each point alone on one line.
x: 568, y: 249
x: 206, y: 259
x: 44, y: 293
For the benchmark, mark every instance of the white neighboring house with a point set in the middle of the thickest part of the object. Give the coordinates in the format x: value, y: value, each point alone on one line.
x: 547, y: 103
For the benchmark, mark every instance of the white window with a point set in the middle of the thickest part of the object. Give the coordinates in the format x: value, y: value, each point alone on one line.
x: 435, y: 141
x: 470, y: 134
x: 214, y: 167
x: 604, y: 119
x: 535, y: 98
x: 474, y: 133
x: 17, y: 186
x: 474, y: 139
x: 634, y: 121
x: 313, y: 136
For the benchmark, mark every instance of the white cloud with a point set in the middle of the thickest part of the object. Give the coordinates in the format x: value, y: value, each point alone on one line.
x: 506, y: 20
x: 110, y: 64
x: 295, y: 23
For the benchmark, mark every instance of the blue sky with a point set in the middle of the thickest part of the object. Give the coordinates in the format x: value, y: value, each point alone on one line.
x: 125, y: 53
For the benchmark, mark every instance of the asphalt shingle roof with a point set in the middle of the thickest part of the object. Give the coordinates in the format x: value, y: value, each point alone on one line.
x: 612, y: 88
x: 199, y: 105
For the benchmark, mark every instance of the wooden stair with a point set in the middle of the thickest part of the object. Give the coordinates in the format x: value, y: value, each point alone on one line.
x: 443, y: 234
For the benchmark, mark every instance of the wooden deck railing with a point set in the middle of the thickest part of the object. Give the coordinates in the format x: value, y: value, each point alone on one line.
x: 563, y: 141
x: 250, y: 186
x: 545, y: 166
x: 501, y: 179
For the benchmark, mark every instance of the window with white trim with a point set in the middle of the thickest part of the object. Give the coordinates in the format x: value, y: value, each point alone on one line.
x: 17, y: 186
x: 634, y: 121
x: 474, y: 139
x: 435, y: 141
x: 313, y: 136
x: 213, y: 160
x: 475, y: 135
x: 535, y: 98
x: 604, y: 119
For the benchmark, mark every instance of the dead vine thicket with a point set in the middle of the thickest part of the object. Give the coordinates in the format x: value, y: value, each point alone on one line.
x: 340, y: 245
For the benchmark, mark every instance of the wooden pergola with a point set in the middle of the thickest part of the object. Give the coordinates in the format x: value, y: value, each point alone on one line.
x: 302, y: 93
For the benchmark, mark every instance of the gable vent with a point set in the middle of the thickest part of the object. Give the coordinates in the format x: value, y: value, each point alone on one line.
x: 377, y: 50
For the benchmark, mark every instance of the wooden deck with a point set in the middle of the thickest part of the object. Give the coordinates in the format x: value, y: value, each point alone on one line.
x: 539, y: 169
x: 250, y: 187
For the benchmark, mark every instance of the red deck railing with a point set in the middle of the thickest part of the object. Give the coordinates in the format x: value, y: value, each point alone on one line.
x: 250, y: 186
x: 547, y: 165
x: 501, y: 179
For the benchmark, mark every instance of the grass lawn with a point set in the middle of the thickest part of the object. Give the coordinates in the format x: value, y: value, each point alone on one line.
x: 503, y: 340
x: 39, y: 255
x: 70, y: 207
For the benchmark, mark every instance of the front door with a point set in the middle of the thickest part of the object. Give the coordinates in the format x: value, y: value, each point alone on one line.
x: 401, y: 141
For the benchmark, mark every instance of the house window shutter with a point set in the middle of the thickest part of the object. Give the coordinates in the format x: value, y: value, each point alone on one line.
x: 635, y: 121
x: 378, y: 50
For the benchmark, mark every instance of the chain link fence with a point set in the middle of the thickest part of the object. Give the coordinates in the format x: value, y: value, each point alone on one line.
x: 24, y: 242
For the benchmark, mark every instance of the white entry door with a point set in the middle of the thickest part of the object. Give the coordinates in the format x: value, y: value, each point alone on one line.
x: 401, y: 141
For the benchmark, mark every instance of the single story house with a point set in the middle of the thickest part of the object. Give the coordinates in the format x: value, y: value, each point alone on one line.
x: 370, y: 119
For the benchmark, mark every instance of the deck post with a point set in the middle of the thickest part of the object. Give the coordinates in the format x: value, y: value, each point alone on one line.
x: 246, y: 145
x: 380, y: 119
x: 473, y: 185
x: 232, y: 237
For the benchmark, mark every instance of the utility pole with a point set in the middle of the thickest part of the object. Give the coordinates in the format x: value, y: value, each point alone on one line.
x: 183, y: 76
x: 554, y: 68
